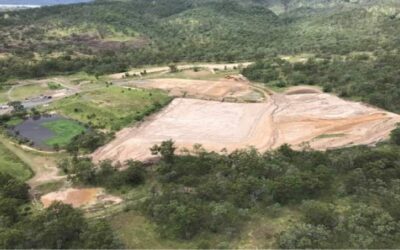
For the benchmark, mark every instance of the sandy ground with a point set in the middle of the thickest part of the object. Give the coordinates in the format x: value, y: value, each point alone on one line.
x: 84, y: 197
x: 233, y: 88
x: 296, y: 117
x: 208, y: 66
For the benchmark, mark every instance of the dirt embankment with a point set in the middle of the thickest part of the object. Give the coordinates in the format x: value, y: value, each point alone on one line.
x: 321, y: 120
x: 209, y: 66
x: 231, y: 88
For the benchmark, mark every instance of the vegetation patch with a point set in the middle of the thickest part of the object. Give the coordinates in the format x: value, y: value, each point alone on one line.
x: 374, y: 81
x: 11, y: 164
x: 111, y: 108
x: 54, y: 86
x: 325, y: 136
x: 26, y: 91
x: 14, y: 121
x: 64, y: 131
x: 49, y: 187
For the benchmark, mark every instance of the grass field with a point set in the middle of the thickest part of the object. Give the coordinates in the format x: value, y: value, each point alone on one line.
x: 14, y: 121
x: 50, y: 187
x: 64, y: 131
x: 110, y: 108
x: 3, y: 94
x: 26, y: 91
x: 11, y: 164
x: 137, y: 232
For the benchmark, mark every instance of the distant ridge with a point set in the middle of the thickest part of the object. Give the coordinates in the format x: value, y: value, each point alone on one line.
x: 36, y: 3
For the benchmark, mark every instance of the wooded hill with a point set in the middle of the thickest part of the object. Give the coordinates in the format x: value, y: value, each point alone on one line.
x: 109, y: 36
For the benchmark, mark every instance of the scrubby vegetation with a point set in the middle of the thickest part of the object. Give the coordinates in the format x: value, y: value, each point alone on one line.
x: 344, y: 194
x: 373, y: 79
x: 57, y: 227
x: 84, y: 172
x: 111, y: 36
x: 345, y: 198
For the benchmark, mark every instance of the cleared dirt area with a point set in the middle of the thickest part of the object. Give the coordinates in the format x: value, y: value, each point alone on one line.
x: 84, y: 197
x: 231, y: 88
x: 321, y: 120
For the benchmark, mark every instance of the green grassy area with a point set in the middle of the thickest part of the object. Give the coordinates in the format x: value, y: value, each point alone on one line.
x: 26, y: 91
x: 110, y: 108
x: 54, y: 85
x: 12, y: 164
x: 14, y: 121
x: 40, y: 163
x: 136, y: 231
x: 3, y: 94
x: 50, y: 187
x: 324, y: 136
x: 64, y: 131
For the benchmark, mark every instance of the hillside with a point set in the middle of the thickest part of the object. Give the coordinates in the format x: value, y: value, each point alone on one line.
x: 200, y: 124
x: 111, y: 36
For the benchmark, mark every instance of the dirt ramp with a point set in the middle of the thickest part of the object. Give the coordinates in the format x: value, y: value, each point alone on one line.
x: 233, y: 88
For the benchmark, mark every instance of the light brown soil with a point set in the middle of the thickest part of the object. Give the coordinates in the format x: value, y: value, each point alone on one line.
x: 79, y: 197
x: 294, y: 119
x: 234, y: 88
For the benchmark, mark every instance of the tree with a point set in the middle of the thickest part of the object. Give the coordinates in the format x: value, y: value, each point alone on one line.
x: 135, y: 174
x: 390, y: 198
x: 11, y: 238
x: 58, y: 227
x: 319, y: 213
x: 166, y: 150
x: 13, y: 188
x: 367, y: 227
x: 173, y: 68
x: 82, y: 171
x: 17, y: 106
x: 395, y: 135
x: 303, y: 236
x: 8, y: 211
x: 99, y: 235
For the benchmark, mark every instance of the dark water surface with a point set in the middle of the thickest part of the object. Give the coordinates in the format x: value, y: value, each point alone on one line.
x: 33, y: 130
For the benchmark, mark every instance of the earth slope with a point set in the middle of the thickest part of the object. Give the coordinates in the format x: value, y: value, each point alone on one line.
x: 298, y: 118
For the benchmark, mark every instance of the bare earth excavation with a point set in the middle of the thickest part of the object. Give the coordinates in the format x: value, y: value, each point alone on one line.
x: 298, y: 117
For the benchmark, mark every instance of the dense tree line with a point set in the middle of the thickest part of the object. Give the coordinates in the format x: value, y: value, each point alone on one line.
x: 203, y: 191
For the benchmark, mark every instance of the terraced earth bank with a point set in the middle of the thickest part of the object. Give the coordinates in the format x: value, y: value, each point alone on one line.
x: 298, y: 117
x: 230, y: 89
